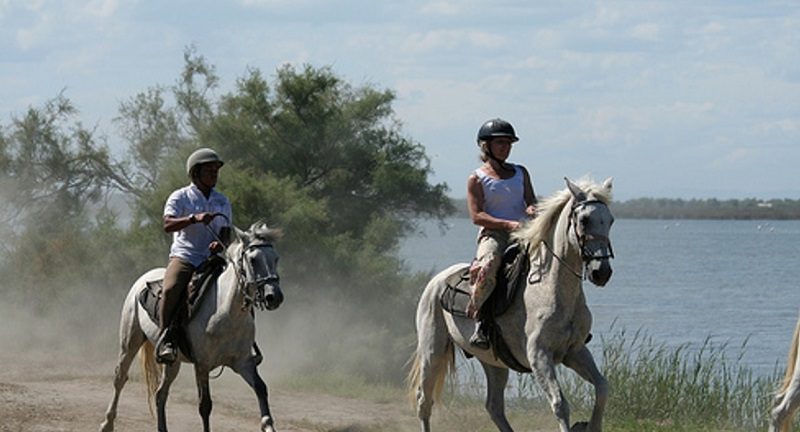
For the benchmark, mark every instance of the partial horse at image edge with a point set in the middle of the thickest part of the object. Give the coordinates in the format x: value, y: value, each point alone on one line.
x: 787, y: 398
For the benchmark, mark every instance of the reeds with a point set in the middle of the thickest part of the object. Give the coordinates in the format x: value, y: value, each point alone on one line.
x: 655, y: 387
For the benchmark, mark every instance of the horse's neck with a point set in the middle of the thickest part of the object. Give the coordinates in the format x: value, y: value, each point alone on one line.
x: 562, y: 258
x: 230, y: 297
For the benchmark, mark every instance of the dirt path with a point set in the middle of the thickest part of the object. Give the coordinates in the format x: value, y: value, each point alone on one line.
x: 43, y: 396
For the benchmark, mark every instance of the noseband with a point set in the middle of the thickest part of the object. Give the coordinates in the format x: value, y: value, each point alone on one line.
x: 258, y: 298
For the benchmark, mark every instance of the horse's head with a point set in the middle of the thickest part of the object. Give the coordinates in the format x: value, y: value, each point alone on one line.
x: 591, y: 221
x: 257, y: 264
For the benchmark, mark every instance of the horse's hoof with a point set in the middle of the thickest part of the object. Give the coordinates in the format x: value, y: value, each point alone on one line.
x: 266, y: 424
x: 579, y: 427
x: 107, y: 427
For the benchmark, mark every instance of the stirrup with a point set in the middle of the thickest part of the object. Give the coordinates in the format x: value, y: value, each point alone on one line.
x: 479, y: 339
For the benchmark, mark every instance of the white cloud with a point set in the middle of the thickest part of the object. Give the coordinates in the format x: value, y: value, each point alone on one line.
x: 646, y: 31
x: 102, y: 8
x: 283, y: 4
x: 39, y: 32
x: 451, y: 39
x: 786, y: 125
x: 444, y: 8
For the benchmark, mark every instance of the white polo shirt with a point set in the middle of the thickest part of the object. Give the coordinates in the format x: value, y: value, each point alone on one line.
x: 191, y: 243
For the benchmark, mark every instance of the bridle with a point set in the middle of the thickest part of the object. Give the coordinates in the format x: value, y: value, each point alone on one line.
x: 583, y: 239
x: 252, y: 289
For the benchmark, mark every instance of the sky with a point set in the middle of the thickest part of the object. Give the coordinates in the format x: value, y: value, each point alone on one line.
x: 673, y: 99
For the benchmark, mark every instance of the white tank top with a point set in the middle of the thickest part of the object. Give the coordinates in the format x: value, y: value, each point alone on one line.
x: 504, y: 198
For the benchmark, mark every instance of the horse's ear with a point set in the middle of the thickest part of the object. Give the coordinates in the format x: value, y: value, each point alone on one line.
x: 241, y: 235
x: 608, y: 184
x: 576, y: 191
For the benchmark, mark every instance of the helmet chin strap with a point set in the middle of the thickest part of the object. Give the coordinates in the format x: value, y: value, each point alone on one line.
x: 503, y: 164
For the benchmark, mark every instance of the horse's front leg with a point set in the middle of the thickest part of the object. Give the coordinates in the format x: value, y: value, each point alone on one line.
x: 544, y: 371
x: 583, y: 363
x: 249, y: 372
x: 162, y: 393
x: 203, y: 395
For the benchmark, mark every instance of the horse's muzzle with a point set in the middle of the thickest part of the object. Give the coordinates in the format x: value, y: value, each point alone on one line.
x: 599, y: 271
x: 273, y: 297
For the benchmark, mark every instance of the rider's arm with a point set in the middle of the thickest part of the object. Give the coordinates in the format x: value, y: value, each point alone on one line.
x: 475, y: 204
x: 530, y: 196
x: 177, y: 223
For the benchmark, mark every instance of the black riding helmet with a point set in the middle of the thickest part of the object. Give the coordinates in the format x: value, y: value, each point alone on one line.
x: 496, y: 128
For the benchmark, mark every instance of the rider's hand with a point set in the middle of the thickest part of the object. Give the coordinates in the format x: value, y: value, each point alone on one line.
x: 204, y: 217
x: 531, y: 211
x: 215, y: 247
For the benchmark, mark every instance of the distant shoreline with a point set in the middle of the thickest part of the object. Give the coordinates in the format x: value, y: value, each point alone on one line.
x: 676, y: 208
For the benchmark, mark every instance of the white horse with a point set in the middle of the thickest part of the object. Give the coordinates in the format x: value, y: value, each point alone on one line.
x: 788, y: 397
x: 221, y: 331
x: 547, y: 323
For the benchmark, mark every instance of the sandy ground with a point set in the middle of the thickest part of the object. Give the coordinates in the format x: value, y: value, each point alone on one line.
x: 46, y: 395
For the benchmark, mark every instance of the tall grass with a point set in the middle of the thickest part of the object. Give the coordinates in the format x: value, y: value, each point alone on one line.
x: 659, y: 388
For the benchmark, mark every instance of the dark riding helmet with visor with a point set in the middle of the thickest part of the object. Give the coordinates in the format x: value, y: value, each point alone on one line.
x: 491, y: 129
x: 496, y: 128
x: 199, y: 157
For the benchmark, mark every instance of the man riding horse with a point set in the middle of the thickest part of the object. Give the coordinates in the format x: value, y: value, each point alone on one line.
x: 189, y: 215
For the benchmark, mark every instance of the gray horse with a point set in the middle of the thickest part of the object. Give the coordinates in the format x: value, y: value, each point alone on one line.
x: 547, y: 323
x: 221, y: 331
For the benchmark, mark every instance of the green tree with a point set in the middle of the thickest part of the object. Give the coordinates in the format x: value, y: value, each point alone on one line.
x: 325, y: 161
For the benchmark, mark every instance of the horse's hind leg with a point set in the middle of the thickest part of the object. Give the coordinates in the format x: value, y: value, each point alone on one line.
x: 583, y: 363
x: 203, y: 395
x: 130, y: 340
x: 496, y: 379
x: 249, y: 373
x: 162, y: 393
x: 432, y: 360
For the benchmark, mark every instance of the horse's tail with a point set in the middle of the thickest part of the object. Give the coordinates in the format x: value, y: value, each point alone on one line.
x: 414, y: 379
x: 792, y: 359
x: 150, y: 370
x: 790, y: 371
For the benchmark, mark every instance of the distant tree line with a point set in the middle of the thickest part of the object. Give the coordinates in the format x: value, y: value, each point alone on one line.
x: 670, y: 208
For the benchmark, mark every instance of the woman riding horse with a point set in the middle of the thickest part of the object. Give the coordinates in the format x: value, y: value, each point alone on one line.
x: 499, y: 196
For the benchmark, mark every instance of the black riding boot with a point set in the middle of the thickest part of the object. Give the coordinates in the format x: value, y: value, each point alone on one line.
x: 479, y: 338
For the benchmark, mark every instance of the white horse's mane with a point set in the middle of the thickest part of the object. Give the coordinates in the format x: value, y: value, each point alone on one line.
x: 259, y: 232
x: 531, y: 234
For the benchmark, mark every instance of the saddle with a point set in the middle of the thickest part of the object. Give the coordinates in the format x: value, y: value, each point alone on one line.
x: 202, y: 279
x: 511, y: 276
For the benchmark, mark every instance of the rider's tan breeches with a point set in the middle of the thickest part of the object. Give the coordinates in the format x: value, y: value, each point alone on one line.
x: 176, y: 279
x: 483, y: 273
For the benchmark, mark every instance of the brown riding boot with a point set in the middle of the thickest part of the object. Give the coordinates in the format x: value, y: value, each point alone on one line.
x: 166, y: 349
x: 479, y: 338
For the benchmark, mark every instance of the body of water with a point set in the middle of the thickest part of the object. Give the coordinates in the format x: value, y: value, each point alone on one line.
x: 680, y: 282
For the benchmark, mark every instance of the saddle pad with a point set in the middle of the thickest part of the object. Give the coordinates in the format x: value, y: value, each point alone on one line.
x: 456, y: 293
x: 150, y: 297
